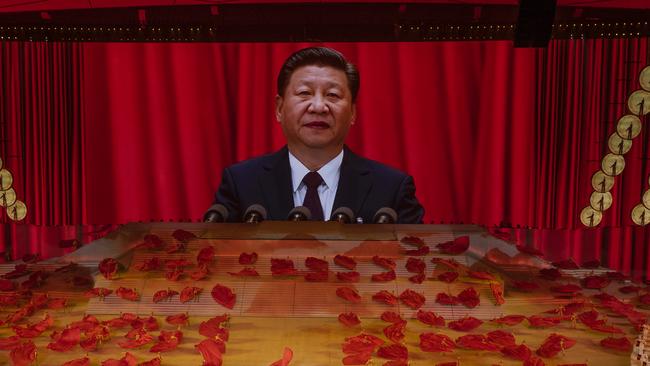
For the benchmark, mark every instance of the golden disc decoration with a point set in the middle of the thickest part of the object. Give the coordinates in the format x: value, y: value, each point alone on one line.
x: 618, y: 145
x: 590, y: 217
x: 639, y: 102
x: 644, y: 78
x: 17, y: 211
x: 8, y: 197
x: 646, y: 199
x: 600, y: 201
x: 6, y: 179
x: 628, y: 126
x: 613, y: 164
x: 640, y: 215
x: 602, y: 182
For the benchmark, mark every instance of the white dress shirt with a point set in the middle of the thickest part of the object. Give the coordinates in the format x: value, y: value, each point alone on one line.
x: 326, y: 191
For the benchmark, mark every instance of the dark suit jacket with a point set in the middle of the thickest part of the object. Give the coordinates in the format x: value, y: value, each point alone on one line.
x: 364, y: 186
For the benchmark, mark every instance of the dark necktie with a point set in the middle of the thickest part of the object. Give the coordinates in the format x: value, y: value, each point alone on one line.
x: 312, y: 180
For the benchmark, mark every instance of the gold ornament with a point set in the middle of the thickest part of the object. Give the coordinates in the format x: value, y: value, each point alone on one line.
x: 602, y: 182
x: 639, y: 102
x: 601, y: 201
x: 628, y: 127
x: 590, y: 217
x: 613, y: 164
x: 618, y: 145
x: 644, y: 78
x: 6, y: 179
x: 640, y: 215
x: 17, y: 211
x: 8, y: 197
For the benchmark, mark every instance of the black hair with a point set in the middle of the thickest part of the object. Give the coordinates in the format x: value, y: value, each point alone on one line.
x: 319, y: 56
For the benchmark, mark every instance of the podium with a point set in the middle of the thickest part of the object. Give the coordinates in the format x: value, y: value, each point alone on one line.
x: 301, y: 311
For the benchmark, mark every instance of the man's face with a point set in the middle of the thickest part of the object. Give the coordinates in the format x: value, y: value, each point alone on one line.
x: 316, y: 110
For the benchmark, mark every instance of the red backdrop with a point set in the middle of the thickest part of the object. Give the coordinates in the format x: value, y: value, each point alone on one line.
x: 117, y: 132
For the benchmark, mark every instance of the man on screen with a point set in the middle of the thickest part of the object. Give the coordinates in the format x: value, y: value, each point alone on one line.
x: 316, y: 106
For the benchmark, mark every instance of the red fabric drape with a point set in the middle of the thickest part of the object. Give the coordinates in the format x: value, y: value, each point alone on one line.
x: 119, y: 132
x: 168, y: 117
x: 40, y: 107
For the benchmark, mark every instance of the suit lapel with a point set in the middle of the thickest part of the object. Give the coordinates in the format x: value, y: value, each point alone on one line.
x: 276, y: 185
x: 354, y: 184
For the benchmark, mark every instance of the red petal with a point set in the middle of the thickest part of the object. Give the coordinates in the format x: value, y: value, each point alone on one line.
x: 205, y: 256
x: 497, y: 292
x: 448, y: 277
x: 201, y: 273
x: 127, y: 294
x: 501, y: 338
x: 534, y: 361
x: 469, y: 297
x: 153, y: 264
x: 67, y: 339
x: 183, y: 235
x: 415, y: 265
x: 554, y: 344
x: 189, y: 293
x: 566, y: 289
x: 509, y: 320
x: 211, y: 351
x: 477, y: 342
x: 362, y: 343
x: 248, y: 258
x: 384, y: 276
x: 412, y: 299
x: 345, y: 262
x: 9, y: 343
x: 178, y: 319
x: 391, y: 317
x: 592, y: 264
x: 385, y: 297
x: 418, y: 278
x: 430, y: 318
x: 23, y: 354
x: 163, y: 295
x: 152, y: 241
x: 395, y: 331
x: 211, y: 328
x: 348, y: 276
x: 521, y: 352
x: 167, y: 341
x: 98, y: 292
x: 282, y: 267
x: 224, y: 296
x: 287, y: 355
x: 349, y: 294
x: 542, y: 322
x: 174, y: 275
x: 430, y: 342
x: 451, y: 263
x: 393, y: 352
x: 108, y: 268
x: 316, y: 264
x: 446, y: 299
x: 465, y: 324
x: 454, y: 247
x: 349, y: 319
x: 387, y: 263
x: 357, y: 359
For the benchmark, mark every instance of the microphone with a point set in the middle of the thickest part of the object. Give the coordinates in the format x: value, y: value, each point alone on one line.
x: 300, y: 213
x: 254, y: 213
x: 216, y: 213
x: 385, y: 215
x: 343, y: 214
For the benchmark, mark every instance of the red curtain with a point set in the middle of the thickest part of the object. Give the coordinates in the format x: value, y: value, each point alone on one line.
x: 119, y: 132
